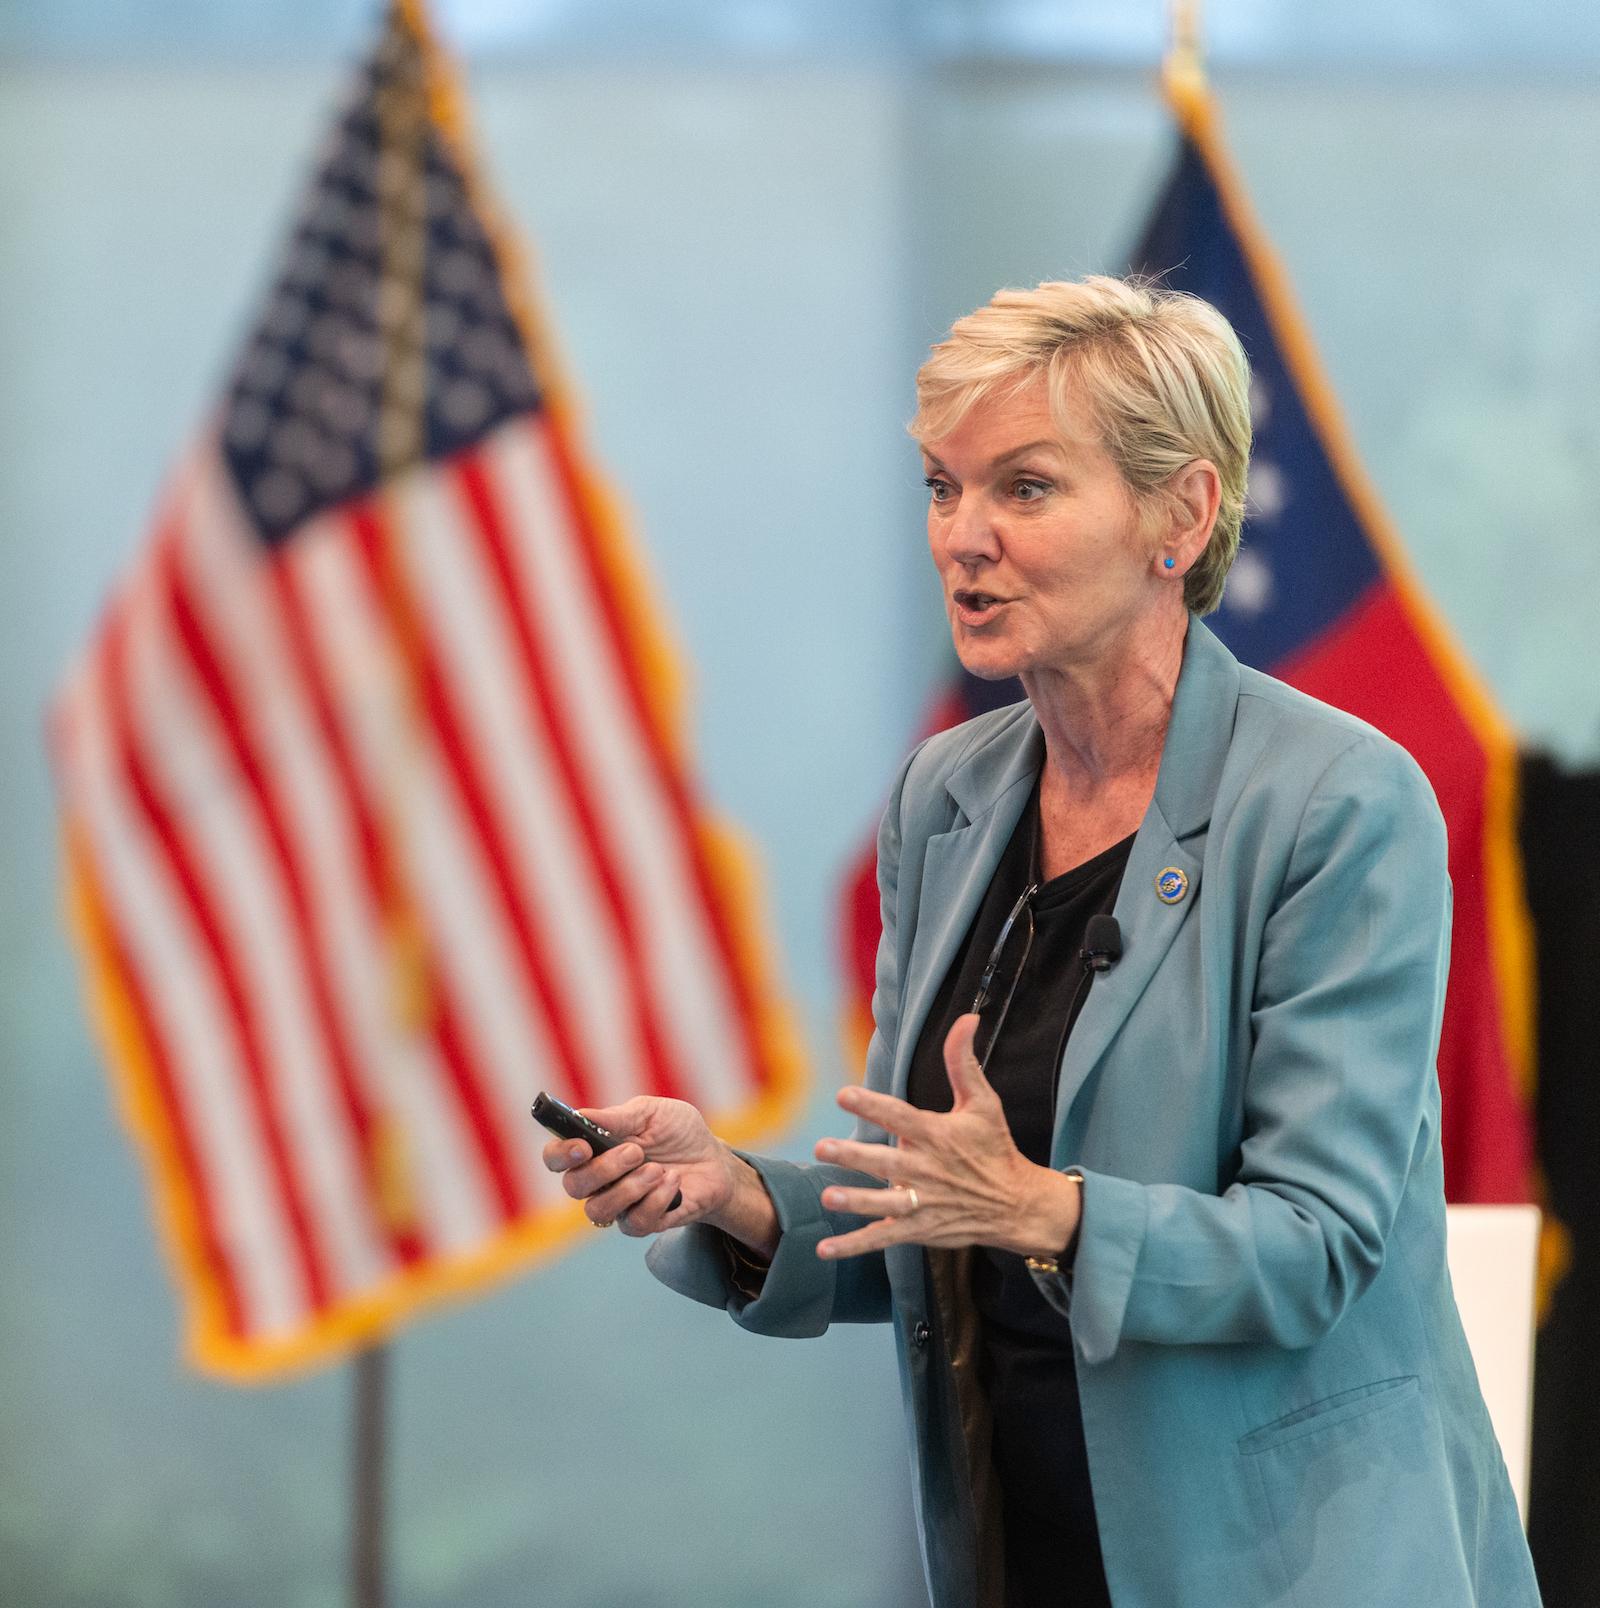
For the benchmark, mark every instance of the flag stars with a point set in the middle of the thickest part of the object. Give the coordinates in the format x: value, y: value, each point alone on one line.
x: 331, y: 215
x: 266, y: 369
x: 248, y: 424
x: 482, y: 348
x: 295, y: 442
x: 365, y: 360
x: 349, y: 286
x: 444, y: 324
x: 1268, y: 492
x: 308, y: 261
x: 460, y: 273
x: 286, y: 317
x: 279, y: 495
x: 359, y: 356
x: 465, y: 404
x: 365, y: 234
x: 332, y: 465
x: 322, y: 339
x: 346, y: 411
x: 1249, y: 588
x: 306, y: 389
x: 443, y: 199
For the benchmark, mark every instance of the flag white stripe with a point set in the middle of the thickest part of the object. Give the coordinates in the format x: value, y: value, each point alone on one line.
x: 177, y: 731
x: 190, y: 1015
x: 225, y: 581
x: 506, y: 1039
x: 686, y: 971
x: 448, y: 1171
x: 543, y: 840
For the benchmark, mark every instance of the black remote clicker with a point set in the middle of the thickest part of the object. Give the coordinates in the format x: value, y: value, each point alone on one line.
x: 565, y: 1123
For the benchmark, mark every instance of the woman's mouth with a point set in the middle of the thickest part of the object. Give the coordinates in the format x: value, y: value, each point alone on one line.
x: 976, y: 608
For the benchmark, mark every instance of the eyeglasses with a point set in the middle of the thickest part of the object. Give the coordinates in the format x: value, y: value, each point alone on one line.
x: 1003, y: 972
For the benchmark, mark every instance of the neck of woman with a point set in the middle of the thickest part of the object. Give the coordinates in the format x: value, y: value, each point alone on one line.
x: 1105, y: 718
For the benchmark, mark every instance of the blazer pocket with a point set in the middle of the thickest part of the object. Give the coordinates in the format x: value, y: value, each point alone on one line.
x: 1342, y: 1408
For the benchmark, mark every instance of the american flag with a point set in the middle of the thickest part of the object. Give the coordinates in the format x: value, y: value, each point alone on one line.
x: 375, y: 810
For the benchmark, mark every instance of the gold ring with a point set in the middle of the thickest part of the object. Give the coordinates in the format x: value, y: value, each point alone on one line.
x: 911, y: 1195
x: 594, y: 1224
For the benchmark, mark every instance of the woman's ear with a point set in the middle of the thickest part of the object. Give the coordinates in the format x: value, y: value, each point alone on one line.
x: 1194, y: 494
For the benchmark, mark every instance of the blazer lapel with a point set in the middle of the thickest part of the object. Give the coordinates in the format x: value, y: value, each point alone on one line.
x: 1171, y: 837
x: 1148, y: 927
x: 990, y: 788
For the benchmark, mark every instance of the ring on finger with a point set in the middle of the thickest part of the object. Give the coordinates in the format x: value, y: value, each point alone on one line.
x: 911, y: 1195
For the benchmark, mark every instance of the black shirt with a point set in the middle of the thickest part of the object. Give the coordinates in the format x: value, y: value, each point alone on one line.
x: 1027, y: 1367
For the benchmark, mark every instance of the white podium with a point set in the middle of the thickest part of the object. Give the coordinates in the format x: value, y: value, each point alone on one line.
x: 1493, y: 1252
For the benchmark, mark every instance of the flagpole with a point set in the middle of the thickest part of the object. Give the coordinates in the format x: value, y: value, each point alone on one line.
x: 403, y: 124
x: 370, y: 1454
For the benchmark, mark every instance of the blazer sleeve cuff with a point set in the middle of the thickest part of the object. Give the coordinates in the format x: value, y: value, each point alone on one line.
x: 797, y: 1296
x: 1094, y: 1295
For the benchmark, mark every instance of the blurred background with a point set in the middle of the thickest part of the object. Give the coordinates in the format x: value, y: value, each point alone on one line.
x: 748, y: 219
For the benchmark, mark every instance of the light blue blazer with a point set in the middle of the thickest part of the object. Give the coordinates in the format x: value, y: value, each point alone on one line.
x: 1279, y: 1405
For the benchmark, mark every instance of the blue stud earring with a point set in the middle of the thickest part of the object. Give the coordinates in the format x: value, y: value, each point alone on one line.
x: 1171, y: 563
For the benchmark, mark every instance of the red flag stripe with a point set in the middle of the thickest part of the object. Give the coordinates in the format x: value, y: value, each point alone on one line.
x: 489, y: 836
x: 257, y: 626
x: 489, y: 529
x: 450, y: 1128
x: 189, y: 745
x: 548, y: 856
x: 444, y: 719
x: 149, y: 758
x: 670, y: 780
x: 446, y: 876
x: 349, y: 1195
x: 220, y: 1248
x: 686, y: 964
x: 238, y: 1039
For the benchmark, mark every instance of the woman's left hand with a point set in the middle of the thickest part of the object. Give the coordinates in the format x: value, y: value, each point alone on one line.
x: 972, y: 1185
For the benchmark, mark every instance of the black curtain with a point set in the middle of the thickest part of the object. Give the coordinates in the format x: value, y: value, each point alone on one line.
x: 1561, y: 854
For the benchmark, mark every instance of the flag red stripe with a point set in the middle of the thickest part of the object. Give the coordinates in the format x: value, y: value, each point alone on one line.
x: 222, y: 1277
x: 450, y: 1037
x: 673, y: 785
x: 158, y: 818
x: 311, y: 947
x: 445, y: 1026
x: 461, y: 765
x: 489, y: 530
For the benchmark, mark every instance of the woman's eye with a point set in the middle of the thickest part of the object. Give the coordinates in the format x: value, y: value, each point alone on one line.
x: 937, y: 489
x: 1029, y: 490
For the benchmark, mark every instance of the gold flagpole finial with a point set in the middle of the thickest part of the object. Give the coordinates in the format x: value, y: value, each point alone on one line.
x: 1183, y: 72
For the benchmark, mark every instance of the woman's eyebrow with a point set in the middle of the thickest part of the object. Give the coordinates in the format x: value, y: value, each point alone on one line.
x: 1005, y: 457
x: 1017, y: 452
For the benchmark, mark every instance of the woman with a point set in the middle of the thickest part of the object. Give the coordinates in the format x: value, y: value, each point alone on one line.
x: 1155, y: 1204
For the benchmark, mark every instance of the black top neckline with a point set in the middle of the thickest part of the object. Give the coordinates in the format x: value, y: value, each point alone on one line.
x: 1061, y: 888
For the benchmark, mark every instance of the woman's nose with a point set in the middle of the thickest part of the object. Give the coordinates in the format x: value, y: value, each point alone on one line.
x: 970, y: 536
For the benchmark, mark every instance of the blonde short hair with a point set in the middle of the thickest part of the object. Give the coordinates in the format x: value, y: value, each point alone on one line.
x: 1163, y: 372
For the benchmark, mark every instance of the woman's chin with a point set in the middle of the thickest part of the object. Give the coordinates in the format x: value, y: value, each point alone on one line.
x: 984, y: 662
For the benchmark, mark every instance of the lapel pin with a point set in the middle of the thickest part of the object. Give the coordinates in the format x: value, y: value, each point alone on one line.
x: 1171, y: 885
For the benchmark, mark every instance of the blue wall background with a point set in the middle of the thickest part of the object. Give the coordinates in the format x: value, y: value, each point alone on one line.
x: 749, y: 220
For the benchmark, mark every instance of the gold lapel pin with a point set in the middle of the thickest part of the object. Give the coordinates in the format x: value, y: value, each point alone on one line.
x: 1171, y: 884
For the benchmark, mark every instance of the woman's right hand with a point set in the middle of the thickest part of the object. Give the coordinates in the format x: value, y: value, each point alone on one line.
x: 668, y: 1148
